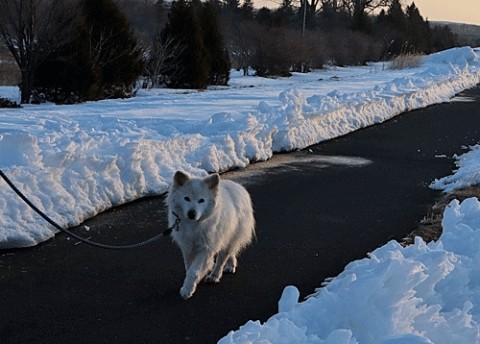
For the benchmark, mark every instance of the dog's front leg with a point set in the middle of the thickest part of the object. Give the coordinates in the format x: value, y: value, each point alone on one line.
x: 201, y: 264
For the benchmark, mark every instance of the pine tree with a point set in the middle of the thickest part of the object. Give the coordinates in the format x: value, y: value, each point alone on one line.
x: 360, y: 19
x: 247, y: 10
x: 217, y: 57
x: 395, y: 28
x: 101, y: 59
x: 418, y: 30
x: 232, y: 6
x: 184, y: 27
x: 116, y: 59
x: 396, y: 17
x: 285, y: 12
x: 443, y: 38
x: 66, y: 75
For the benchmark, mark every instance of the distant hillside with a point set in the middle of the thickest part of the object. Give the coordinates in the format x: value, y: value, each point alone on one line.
x: 467, y: 33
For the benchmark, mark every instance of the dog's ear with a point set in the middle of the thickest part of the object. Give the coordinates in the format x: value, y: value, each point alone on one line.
x: 180, y: 178
x: 212, y: 181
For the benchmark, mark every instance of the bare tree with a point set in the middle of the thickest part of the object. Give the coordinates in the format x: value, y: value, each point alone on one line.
x: 240, y: 38
x: 32, y: 30
x: 159, y: 55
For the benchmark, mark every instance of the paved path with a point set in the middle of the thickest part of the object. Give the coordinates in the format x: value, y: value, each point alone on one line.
x: 316, y: 211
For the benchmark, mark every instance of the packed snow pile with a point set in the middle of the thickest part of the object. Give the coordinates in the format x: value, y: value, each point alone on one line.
x: 467, y: 174
x: 423, y: 293
x: 78, y: 160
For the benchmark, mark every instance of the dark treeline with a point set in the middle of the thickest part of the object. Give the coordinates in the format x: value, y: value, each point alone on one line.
x: 300, y: 35
x: 94, y: 49
x: 295, y: 37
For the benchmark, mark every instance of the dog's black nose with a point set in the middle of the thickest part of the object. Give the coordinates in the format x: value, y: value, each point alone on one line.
x: 192, y: 214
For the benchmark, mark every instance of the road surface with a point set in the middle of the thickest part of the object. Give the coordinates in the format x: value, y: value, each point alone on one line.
x: 316, y: 210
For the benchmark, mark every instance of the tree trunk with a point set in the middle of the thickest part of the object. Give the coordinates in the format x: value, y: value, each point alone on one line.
x: 27, y: 85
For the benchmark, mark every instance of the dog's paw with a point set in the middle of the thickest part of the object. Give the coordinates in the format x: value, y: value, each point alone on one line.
x: 212, y: 279
x: 229, y: 269
x: 186, y: 293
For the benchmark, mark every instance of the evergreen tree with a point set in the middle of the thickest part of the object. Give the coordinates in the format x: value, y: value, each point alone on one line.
x: 394, y: 25
x: 184, y: 27
x: 418, y: 30
x: 217, y: 57
x: 66, y: 75
x: 117, y: 61
x: 232, y: 6
x: 443, y: 38
x: 396, y: 17
x: 101, y: 60
x: 265, y: 17
x: 360, y: 19
x: 247, y: 10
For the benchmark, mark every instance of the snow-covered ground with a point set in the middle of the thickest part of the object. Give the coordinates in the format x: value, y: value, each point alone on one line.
x: 76, y: 161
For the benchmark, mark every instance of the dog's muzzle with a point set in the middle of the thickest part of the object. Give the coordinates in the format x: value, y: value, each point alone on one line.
x: 192, y: 214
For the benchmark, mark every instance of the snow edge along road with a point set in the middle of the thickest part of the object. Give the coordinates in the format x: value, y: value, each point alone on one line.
x: 86, y: 164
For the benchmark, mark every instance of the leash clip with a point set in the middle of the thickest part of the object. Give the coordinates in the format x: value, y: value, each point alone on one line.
x: 176, y: 225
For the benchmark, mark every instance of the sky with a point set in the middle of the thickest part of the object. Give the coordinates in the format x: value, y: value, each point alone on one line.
x: 460, y: 11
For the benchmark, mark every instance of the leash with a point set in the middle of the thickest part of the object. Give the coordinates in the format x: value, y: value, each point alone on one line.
x: 86, y: 241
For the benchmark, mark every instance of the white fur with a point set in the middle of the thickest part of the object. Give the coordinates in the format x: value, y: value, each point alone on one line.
x: 216, y: 220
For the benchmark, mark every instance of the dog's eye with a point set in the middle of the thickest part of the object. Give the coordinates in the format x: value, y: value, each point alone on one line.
x: 201, y: 200
x: 187, y: 199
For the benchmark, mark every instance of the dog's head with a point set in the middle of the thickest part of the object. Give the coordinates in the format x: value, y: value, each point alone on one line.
x: 194, y: 198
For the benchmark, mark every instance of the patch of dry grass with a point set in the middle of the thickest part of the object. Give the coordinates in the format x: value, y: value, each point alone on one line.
x: 430, y: 228
x: 404, y: 61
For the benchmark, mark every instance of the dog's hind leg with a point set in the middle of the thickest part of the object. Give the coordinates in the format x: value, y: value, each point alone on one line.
x: 231, y: 265
x: 216, y: 274
x: 199, y: 267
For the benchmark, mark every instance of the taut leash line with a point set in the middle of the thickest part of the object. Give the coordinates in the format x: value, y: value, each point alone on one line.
x: 76, y: 236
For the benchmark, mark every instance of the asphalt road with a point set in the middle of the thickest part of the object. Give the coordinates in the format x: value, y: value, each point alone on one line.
x: 316, y: 210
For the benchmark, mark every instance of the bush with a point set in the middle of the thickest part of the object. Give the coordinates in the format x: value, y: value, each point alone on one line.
x: 271, y: 57
x: 350, y: 48
x: 7, y: 103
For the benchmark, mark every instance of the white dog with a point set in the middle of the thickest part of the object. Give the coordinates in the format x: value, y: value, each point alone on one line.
x: 216, y: 219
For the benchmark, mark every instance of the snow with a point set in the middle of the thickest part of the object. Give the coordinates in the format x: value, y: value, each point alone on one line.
x: 423, y: 293
x: 76, y: 161
x: 467, y: 174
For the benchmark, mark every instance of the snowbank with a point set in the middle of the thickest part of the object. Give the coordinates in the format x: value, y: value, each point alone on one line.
x: 423, y: 293
x: 467, y: 174
x: 76, y: 161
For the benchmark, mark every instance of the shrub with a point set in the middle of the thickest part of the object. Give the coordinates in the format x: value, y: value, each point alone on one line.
x: 350, y: 48
x: 271, y: 57
x: 7, y: 103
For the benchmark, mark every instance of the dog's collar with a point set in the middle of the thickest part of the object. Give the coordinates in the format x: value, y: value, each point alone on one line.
x: 176, y: 225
